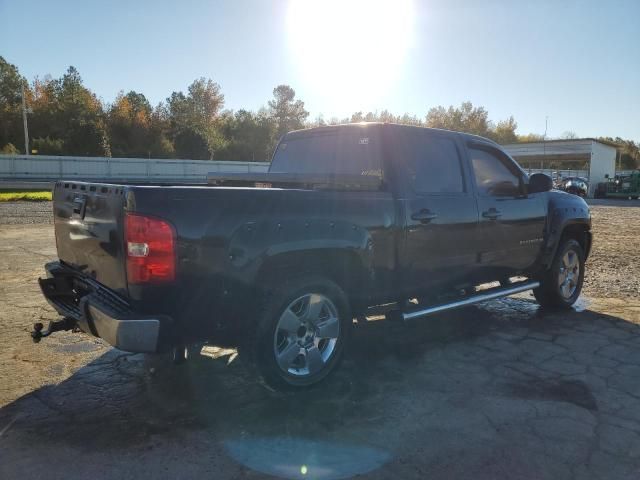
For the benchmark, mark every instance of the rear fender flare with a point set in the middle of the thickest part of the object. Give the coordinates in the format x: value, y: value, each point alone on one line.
x: 255, y: 246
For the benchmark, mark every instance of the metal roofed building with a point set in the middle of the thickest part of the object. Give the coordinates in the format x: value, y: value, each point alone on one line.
x: 584, y: 157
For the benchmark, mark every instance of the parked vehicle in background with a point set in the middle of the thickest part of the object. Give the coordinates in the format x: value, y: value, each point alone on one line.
x: 279, y: 264
x: 574, y: 185
x: 621, y: 186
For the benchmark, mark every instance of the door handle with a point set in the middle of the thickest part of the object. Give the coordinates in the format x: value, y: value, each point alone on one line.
x: 492, y: 214
x: 424, y: 216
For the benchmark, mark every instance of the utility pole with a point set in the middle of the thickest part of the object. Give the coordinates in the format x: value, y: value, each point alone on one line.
x: 24, y: 123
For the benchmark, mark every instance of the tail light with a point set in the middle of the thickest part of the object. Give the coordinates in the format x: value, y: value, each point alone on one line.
x: 151, y: 249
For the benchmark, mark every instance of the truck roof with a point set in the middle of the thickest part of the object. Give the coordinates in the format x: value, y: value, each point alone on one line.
x: 326, y: 129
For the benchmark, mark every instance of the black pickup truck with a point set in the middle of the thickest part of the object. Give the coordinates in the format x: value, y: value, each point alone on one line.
x: 280, y: 263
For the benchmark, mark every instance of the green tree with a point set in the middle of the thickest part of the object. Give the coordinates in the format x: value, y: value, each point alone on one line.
x: 195, y: 120
x: 465, y: 118
x: 160, y: 144
x: 48, y: 146
x: 569, y: 135
x: 136, y: 129
x: 475, y: 120
x: 357, y: 117
x: 64, y: 109
x: 82, y: 115
x: 319, y: 121
x: 9, y: 149
x: 629, y: 152
x: 504, y: 132
x: 287, y: 112
x: 11, y: 83
x: 383, y: 116
x: 408, y: 119
x: 249, y: 136
x: 129, y: 122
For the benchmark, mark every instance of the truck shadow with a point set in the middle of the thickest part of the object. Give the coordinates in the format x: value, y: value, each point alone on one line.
x: 395, y: 381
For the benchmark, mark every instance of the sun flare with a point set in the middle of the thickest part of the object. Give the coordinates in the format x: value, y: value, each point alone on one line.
x: 349, y: 51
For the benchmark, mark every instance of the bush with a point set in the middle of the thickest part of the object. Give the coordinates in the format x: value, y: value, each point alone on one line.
x: 10, y: 149
x: 48, y: 146
x: 27, y: 196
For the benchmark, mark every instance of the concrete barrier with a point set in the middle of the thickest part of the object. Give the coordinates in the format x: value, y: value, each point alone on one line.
x: 41, y: 168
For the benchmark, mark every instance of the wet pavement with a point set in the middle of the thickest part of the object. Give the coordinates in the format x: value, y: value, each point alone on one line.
x: 502, y: 390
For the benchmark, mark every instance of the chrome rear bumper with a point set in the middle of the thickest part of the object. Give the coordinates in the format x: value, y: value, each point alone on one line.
x: 99, y: 311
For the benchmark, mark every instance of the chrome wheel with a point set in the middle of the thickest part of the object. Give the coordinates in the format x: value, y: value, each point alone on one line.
x: 306, y: 335
x: 569, y: 274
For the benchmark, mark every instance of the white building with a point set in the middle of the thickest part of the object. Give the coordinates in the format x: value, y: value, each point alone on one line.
x: 584, y: 157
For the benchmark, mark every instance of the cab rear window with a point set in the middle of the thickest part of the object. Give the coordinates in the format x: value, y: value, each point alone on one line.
x: 350, y: 153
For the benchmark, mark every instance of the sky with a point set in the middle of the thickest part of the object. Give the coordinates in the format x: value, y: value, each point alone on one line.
x: 575, y: 63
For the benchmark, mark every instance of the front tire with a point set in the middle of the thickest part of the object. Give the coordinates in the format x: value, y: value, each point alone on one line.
x: 560, y: 285
x: 302, y: 330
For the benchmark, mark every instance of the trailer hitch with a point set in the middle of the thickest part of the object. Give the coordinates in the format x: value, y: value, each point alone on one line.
x: 54, y: 326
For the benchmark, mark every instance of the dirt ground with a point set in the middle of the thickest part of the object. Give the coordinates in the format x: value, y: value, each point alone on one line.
x: 613, y: 269
x: 503, y: 390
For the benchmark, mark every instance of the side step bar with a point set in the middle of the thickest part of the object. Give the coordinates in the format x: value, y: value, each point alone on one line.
x: 482, y: 296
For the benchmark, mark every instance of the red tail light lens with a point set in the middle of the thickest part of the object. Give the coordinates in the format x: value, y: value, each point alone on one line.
x: 151, y: 249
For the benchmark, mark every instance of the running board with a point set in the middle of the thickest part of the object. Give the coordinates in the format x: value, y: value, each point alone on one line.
x: 482, y: 296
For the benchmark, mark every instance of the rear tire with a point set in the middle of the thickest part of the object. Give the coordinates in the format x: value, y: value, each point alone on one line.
x: 303, y: 327
x: 560, y: 285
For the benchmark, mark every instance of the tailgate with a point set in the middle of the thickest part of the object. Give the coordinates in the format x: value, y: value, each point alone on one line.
x: 89, y: 230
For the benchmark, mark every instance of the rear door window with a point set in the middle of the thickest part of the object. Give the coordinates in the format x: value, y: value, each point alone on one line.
x: 433, y: 163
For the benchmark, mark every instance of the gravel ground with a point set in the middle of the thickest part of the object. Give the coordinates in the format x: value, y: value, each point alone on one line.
x: 23, y: 213
x: 613, y: 268
x: 504, y: 390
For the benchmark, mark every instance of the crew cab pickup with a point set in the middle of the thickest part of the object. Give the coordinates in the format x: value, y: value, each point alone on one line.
x: 280, y: 263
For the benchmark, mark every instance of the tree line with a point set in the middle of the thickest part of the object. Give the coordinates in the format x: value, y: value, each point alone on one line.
x: 66, y: 118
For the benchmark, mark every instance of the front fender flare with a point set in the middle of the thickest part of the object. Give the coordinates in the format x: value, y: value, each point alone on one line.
x: 565, y: 212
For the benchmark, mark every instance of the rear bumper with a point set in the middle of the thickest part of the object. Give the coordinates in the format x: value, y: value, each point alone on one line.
x: 100, y: 312
x: 131, y: 334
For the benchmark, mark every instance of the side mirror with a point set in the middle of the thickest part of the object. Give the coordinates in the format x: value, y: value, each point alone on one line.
x: 606, y: 175
x: 539, y: 182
